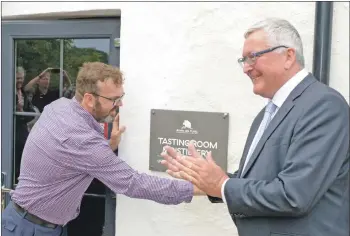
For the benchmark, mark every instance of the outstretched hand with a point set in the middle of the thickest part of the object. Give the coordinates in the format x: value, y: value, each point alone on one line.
x: 202, y: 172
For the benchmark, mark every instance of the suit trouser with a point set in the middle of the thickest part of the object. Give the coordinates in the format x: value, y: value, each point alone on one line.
x: 14, y: 224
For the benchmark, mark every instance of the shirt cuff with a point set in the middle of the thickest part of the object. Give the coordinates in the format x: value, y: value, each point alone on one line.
x: 185, y: 191
x: 223, y: 191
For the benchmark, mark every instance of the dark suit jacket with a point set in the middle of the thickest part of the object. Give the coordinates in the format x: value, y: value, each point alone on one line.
x: 297, y: 179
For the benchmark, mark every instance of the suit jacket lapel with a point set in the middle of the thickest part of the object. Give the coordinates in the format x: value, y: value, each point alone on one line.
x: 254, y: 128
x: 281, y: 114
x: 278, y: 118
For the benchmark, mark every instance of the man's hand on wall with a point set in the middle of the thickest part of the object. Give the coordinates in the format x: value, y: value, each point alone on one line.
x: 116, y: 133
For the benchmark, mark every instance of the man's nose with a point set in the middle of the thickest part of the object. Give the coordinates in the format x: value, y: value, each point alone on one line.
x: 120, y: 103
x: 247, y: 68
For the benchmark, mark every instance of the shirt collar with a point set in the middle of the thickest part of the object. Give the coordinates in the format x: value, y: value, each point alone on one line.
x: 281, y: 95
x: 86, y: 116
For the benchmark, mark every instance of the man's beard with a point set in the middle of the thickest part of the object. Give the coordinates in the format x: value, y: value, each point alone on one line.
x: 107, y: 119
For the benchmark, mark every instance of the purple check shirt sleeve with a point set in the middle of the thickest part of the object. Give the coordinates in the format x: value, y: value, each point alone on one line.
x: 64, y: 152
x: 99, y: 161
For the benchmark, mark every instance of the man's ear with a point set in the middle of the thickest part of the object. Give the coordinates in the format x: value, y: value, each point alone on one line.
x: 290, y: 58
x: 88, y: 100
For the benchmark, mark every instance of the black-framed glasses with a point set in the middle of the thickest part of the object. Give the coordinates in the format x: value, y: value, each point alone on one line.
x: 251, y: 59
x: 114, y: 100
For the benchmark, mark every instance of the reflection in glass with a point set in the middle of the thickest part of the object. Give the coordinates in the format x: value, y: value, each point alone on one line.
x: 38, y: 58
x: 35, y: 87
x: 78, y: 51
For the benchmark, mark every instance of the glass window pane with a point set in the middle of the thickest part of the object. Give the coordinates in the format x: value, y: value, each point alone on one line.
x: 38, y: 58
x: 78, y: 51
x: 34, y: 88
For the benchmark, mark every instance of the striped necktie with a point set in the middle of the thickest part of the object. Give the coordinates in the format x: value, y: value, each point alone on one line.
x: 269, y: 110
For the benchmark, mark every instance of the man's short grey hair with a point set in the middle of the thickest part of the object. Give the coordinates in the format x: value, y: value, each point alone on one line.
x: 21, y: 70
x: 280, y: 32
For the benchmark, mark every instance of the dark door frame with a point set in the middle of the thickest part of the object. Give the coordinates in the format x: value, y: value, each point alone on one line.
x: 48, y: 29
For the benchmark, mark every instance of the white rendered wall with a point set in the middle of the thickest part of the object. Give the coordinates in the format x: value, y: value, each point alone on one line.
x: 184, y: 56
x: 339, y: 71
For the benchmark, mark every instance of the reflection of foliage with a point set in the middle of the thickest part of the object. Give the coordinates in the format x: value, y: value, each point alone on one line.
x: 74, y: 57
x: 36, y: 55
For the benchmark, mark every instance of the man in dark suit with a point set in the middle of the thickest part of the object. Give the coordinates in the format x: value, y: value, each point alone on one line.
x: 293, y: 178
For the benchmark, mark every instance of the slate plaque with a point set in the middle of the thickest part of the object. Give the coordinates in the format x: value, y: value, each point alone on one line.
x: 209, y: 131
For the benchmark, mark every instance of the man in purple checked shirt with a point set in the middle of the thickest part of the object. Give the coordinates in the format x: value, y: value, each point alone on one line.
x: 66, y: 149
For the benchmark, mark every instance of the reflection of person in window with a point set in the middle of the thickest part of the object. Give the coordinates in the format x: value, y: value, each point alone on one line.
x: 22, y: 105
x: 42, y: 94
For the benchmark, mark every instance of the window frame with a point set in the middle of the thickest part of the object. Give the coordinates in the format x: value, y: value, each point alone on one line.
x: 47, y: 29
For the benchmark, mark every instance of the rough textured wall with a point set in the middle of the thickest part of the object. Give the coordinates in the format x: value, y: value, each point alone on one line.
x: 183, y: 56
x: 339, y: 71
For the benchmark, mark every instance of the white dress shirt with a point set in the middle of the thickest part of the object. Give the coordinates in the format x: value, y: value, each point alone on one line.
x: 278, y: 99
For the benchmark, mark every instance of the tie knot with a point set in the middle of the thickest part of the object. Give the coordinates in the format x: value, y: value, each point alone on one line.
x: 270, y: 107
